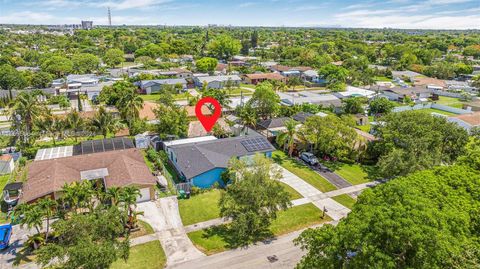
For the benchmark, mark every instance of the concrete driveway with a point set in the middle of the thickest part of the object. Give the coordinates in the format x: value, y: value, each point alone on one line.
x: 164, y: 217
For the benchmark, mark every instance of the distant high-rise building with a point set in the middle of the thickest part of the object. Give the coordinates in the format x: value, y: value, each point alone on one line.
x: 87, y: 25
x: 109, y: 17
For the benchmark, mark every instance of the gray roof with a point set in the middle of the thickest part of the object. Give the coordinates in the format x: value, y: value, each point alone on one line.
x: 170, y: 81
x: 219, y: 78
x: 302, y: 116
x: 273, y: 122
x: 194, y: 159
x: 409, y: 90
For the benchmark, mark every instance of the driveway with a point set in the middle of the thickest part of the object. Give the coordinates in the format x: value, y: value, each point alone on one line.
x: 164, y: 217
x: 329, y: 175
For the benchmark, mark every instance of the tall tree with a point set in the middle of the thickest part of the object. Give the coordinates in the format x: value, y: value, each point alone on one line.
x: 85, y: 63
x: 57, y: 65
x: 287, y: 139
x: 113, y: 57
x: 206, y: 64
x: 265, y: 101
x: 253, y: 199
x: 26, y: 111
x: 104, y: 122
x: 172, y: 121
x: 224, y: 47
x: 414, y: 140
x: 428, y: 219
x: 11, y: 79
x: 75, y: 123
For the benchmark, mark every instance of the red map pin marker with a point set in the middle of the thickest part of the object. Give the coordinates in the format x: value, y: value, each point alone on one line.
x: 208, y: 121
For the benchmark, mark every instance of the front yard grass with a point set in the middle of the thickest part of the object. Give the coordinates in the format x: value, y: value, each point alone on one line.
x: 353, y: 173
x: 302, y: 171
x: 217, y: 239
x: 200, y: 207
x: 145, y: 256
x: 4, y: 207
x: 345, y: 200
x: 145, y: 229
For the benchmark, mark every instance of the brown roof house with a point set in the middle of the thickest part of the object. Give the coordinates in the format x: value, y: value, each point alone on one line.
x: 113, y: 168
x: 261, y: 77
x: 467, y: 121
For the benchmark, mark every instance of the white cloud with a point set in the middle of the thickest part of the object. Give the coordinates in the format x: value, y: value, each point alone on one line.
x: 247, y: 4
x: 132, y: 4
x: 26, y: 17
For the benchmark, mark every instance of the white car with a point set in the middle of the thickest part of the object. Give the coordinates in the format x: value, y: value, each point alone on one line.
x: 309, y: 158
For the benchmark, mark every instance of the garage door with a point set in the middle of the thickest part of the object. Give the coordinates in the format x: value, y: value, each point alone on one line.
x: 145, y: 195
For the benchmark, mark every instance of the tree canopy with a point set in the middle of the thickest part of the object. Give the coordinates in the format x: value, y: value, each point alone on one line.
x: 429, y: 219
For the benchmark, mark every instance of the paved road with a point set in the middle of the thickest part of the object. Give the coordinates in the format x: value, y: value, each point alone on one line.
x: 333, y: 178
x: 252, y: 257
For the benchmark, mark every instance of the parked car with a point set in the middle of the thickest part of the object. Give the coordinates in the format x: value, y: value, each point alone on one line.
x: 309, y: 158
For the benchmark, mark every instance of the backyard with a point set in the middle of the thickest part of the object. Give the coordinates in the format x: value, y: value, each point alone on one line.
x: 154, y: 97
x: 302, y: 171
x: 449, y: 101
x: 145, y: 256
x: 216, y: 239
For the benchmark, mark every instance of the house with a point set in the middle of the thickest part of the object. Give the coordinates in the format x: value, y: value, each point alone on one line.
x: 201, y: 161
x: 326, y: 100
x: 7, y: 164
x: 351, y: 91
x: 196, y: 129
x: 261, y: 77
x: 153, y: 86
x: 109, y: 162
x: 431, y: 83
x: 455, y: 85
x: 221, y: 69
x: 410, y: 75
x: 473, y: 106
x: 467, y: 121
x: 217, y: 82
x: 312, y: 76
x: 91, y: 91
x: 302, y: 116
x: 414, y: 93
x: 272, y: 127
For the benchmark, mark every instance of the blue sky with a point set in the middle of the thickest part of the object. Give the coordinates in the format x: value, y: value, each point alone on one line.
x: 411, y: 14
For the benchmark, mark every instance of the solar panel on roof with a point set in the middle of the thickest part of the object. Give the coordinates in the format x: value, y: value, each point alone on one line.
x: 255, y: 144
x: 118, y: 143
x: 87, y: 147
x: 97, y: 146
x: 108, y: 144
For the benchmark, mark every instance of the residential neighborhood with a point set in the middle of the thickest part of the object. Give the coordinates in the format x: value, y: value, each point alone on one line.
x: 139, y: 144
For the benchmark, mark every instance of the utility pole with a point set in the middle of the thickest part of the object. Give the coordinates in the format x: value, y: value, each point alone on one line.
x: 109, y: 17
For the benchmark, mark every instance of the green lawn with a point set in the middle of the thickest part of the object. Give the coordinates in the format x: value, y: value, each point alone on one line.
x: 247, y: 86
x: 217, y: 239
x: 145, y: 256
x: 3, y: 216
x: 238, y: 92
x: 302, y: 171
x: 345, y: 200
x: 154, y: 96
x: 293, y: 193
x: 126, y: 64
x: 200, y: 207
x: 449, y: 101
x: 353, y: 173
x: 430, y: 110
x: 381, y: 78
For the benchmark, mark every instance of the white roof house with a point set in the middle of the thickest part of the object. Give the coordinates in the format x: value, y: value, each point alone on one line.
x: 354, y: 92
x: 189, y: 140
x: 217, y: 82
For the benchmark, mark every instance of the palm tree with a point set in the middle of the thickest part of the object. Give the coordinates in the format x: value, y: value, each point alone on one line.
x: 278, y: 86
x: 130, y: 105
x: 129, y: 197
x: 49, y: 123
x: 75, y: 123
x: 32, y: 216
x: 25, y: 112
x: 287, y: 139
x: 114, y: 194
x: 248, y: 116
x: 35, y: 241
x: 47, y: 206
x: 104, y: 122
